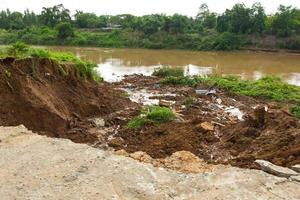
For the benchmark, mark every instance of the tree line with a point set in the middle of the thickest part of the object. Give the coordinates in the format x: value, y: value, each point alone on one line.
x: 237, y: 27
x: 239, y: 19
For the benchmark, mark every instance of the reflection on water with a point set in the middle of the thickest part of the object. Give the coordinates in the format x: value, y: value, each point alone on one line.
x: 115, y: 63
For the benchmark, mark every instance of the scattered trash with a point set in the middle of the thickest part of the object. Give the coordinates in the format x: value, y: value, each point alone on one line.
x: 235, y: 112
x: 205, y: 92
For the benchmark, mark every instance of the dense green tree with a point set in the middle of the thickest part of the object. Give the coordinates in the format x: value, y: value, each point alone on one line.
x: 207, y: 18
x: 54, y: 15
x: 240, y: 20
x: 4, y: 19
x: 64, y: 30
x: 86, y: 20
x: 285, y: 21
x: 179, y: 24
x: 29, y: 18
x: 258, y: 18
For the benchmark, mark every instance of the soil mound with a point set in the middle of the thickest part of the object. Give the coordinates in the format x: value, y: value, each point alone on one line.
x: 38, y: 93
x: 272, y: 135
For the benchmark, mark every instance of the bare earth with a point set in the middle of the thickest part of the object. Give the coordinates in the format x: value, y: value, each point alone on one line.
x: 36, y: 167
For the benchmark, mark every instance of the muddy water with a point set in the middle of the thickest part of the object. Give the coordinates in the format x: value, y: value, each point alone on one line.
x: 115, y: 63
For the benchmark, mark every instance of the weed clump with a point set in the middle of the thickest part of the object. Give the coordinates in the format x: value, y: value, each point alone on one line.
x: 296, y: 111
x: 188, y: 102
x: 152, y: 115
x: 168, y: 72
x: 18, y: 49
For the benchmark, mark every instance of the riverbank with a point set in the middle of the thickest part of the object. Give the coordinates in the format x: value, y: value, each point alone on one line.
x: 77, y: 108
x: 206, y: 41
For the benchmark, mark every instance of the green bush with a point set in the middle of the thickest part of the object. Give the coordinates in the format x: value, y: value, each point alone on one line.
x: 64, y: 30
x: 152, y: 115
x: 18, y: 49
x: 168, y: 72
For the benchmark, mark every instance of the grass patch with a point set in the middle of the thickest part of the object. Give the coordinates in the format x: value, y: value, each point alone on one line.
x: 185, y: 80
x: 151, y: 115
x: 168, y: 72
x: 86, y: 69
x: 269, y: 87
x: 296, y: 111
x: 188, y: 102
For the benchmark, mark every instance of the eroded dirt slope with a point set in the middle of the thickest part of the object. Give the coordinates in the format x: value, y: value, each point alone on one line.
x: 36, y: 93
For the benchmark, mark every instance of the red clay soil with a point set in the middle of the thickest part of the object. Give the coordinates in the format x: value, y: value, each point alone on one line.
x: 34, y: 92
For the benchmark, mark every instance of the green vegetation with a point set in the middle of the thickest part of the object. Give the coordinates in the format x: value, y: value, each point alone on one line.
x: 295, y: 110
x: 85, y: 69
x: 184, y: 80
x: 168, y: 71
x: 188, y: 102
x: 268, y: 87
x: 235, y: 28
x: 152, y: 115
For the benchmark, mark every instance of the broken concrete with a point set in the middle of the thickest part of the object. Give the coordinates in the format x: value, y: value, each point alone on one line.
x: 296, y: 168
x: 276, y: 170
x: 38, y: 167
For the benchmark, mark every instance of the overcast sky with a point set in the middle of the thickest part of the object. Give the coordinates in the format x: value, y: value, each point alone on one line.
x: 140, y: 7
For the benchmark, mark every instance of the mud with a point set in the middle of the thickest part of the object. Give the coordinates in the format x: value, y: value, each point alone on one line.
x: 272, y: 135
x: 36, y: 93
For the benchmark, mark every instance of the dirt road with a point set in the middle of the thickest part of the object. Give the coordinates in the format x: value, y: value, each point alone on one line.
x: 36, y: 167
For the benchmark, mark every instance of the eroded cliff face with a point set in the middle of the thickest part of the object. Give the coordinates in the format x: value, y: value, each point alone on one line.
x: 52, y: 99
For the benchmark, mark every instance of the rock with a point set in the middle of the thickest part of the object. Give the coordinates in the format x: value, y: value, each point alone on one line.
x: 276, y: 170
x: 295, y: 178
x: 99, y: 122
x: 296, y: 168
x: 207, y: 126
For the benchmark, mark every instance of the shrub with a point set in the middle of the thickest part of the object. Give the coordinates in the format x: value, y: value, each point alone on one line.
x: 18, y: 49
x: 64, y: 30
x: 168, y: 72
x: 152, y: 114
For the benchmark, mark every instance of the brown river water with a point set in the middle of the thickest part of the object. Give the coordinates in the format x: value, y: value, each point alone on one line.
x: 115, y: 63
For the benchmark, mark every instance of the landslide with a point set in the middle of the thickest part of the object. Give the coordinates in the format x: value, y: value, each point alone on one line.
x: 52, y: 98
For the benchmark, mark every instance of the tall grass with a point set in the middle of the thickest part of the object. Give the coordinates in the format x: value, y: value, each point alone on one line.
x: 86, y: 69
